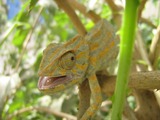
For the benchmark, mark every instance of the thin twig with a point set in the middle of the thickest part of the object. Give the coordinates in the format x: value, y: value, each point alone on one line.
x: 141, y: 7
x: 155, y: 48
x: 41, y: 109
x: 142, y: 50
x: 116, y: 12
x: 148, y: 22
x: 139, y: 40
x: 28, y: 39
x: 63, y: 4
x: 88, y: 13
x: 114, y: 7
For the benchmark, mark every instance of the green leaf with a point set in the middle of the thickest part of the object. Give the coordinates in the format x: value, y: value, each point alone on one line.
x: 23, y: 14
x: 19, y: 37
x: 32, y: 4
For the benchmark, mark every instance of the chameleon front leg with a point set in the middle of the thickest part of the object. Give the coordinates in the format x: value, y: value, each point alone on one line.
x: 96, y: 95
x: 84, y: 98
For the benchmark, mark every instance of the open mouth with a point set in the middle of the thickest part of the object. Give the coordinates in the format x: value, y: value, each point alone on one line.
x: 51, y: 82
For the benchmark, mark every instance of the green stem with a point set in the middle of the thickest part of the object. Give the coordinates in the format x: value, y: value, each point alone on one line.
x: 126, y: 47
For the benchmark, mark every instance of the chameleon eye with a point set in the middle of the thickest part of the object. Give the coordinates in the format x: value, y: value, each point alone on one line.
x: 67, y: 60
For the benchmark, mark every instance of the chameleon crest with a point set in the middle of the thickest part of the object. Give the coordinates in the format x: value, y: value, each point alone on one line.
x: 58, y: 68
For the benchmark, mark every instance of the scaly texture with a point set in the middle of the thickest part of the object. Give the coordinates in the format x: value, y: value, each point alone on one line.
x: 64, y: 65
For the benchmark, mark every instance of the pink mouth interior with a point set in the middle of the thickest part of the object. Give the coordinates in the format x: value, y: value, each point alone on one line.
x: 51, y: 82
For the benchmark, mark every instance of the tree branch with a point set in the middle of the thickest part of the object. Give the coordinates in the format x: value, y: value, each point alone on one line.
x: 63, y: 4
x: 138, y: 80
x: 148, y: 22
x: 88, y: 13
x: 141, y: 7
x: 41, y: 109
x: 116, y: 12
x: 155, y: 48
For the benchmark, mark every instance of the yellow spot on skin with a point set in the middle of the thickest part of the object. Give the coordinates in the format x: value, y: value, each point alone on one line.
x: 109, y: 35
x: 74, y: 81
x: 80, y: 67
x: 99, y: 99
x: 90, y: 113
x: 54, y: 53
x: 63, y: 72
x: 97, y: 88
x: 97, y: 33
x: 93, y: 60
x: 72, y: 40
x: 80, y: 55
x: 94, y: 46
x: 106, y: 49
x: 74, y: 71
x: 79, y: 45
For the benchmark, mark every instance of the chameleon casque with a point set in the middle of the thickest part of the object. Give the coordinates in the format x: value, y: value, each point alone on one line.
x: 64, y: 65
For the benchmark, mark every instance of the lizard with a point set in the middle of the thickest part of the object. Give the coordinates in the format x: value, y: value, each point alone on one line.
x: 80, y: 58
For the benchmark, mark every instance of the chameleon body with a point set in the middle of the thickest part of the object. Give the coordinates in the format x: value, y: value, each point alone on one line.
x: 64, y: 65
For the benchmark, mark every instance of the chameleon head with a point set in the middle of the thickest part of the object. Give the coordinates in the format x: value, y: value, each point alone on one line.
x: 63, y: 65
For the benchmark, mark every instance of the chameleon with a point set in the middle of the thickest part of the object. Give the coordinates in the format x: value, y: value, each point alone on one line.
x: 82, y: 57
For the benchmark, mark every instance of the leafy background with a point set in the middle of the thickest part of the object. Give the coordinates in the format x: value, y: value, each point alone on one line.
x: 25, y: 30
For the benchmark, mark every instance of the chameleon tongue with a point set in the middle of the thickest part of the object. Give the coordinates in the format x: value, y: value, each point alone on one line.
x: 48, y: 82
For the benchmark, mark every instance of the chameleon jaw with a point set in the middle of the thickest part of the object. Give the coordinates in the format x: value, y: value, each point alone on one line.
x: 46, y: 82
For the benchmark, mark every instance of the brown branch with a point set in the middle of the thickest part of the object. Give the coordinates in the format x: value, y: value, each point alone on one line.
x: 141, y: 18
x: 148, y: 22
x: 142, y: 50
x: 147, y: 106
x: 63, y: 4
x: 142, y: 82
x: 116, y: 12
x: 138, y: 80
x: 88, y: 13
x: 41, y: 109
x: 140, y: 43
x: 114, y: 7
x: 155, y: 48
x: 141, y: 7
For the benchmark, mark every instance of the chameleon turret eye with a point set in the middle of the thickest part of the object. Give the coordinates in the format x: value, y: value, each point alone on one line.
x: 67, y: 61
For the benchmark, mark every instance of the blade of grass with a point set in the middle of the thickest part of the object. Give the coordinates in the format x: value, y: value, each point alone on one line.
x: 126, y: 47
